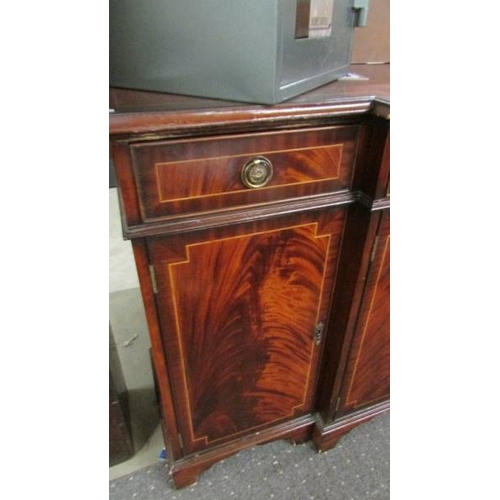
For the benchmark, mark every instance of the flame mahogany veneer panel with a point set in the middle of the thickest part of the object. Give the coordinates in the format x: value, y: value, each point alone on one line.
x: 239, y: 309
x: 197, y: 175
x: 368, y: 378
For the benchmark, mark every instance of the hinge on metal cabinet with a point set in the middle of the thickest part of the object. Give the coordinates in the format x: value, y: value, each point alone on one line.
x: 361, y: 8
x: 153, y: 278
x: 374, y: 249
x: 180, y: 440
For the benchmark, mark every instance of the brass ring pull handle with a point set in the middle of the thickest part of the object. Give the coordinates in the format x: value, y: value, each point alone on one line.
x: 257, y: 172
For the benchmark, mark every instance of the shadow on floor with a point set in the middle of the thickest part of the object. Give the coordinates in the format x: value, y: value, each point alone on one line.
x: 144, y: 415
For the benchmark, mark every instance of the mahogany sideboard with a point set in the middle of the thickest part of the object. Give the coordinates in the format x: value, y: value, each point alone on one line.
x: 261, y: 239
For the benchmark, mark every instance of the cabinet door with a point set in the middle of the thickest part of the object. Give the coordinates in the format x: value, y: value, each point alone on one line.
x: 241, y: 310
x: 367, y: 374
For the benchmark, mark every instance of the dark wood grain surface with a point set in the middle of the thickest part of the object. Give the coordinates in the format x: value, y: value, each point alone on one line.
x: 244, y: 303
x: 198, y: 175
x: 360, y: 230
x: 372, y: 163
x: 367, y: 379
x: 140, y: 112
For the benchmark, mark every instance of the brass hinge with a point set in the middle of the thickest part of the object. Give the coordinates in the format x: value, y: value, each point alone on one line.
x: 180, y: 440
x: 374, y: 249
x: 153, y: 278
x: 318, y: 333
x: 337, y: 404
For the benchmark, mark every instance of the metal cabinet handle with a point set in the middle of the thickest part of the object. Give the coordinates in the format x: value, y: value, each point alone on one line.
x: 257, y: 172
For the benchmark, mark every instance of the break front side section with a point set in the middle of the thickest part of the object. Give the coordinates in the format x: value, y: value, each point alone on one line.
x: 355, y: 383
x: 367, y: 379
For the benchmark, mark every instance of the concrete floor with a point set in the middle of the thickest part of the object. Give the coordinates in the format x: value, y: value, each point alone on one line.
x: 130, y: 334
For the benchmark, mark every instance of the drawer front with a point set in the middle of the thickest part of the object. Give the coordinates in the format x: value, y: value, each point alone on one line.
x: 198, y: 175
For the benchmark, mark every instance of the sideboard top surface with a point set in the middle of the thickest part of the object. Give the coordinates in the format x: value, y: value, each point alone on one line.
x: 141, y: 112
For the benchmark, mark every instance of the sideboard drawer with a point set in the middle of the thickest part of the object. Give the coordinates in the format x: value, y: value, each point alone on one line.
x: 199, y: 175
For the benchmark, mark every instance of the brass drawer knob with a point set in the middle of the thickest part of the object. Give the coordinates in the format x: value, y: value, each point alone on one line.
x: 257, y: 172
